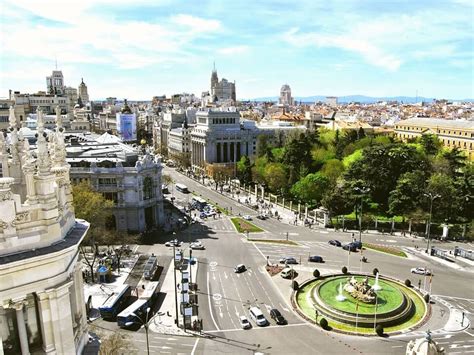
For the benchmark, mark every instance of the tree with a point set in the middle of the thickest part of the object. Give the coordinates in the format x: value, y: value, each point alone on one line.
x: 116, y: 343
x: 430, y: 143
x: 339, y: 200
x: 446, y: 206
x: 263, y: 145
x: 405, y: 198
x: 167, y: 180
x: 258, y: 170
x: 311, y: 188
x: 96, y: 209
x: 183, y: 160
x: 456, y: 161
x: 275, y: 176
x: 244, y: 170
x: 332, y: 169
x: 298, y: 153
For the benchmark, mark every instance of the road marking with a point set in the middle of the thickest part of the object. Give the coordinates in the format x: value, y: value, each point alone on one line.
x: 195, y: 346
x: 216, y: 296
x: 261, y: 328
x: 210, y: 306
x: 284, y: 308
x: 324, y: 232
x: 456, y: 298
x: 225, y: 275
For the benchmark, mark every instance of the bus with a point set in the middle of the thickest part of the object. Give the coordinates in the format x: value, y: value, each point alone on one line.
x: 150, y: 267
x: 199, y: 202
x: 116, y: 302
x: 128, y: 316
x: 182, y: 188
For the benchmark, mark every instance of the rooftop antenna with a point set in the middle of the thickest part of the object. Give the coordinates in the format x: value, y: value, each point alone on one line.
x: 214, y: 65
x: 56, y: 60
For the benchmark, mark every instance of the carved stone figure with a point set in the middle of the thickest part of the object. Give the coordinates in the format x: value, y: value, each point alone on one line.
x: 360, y: 290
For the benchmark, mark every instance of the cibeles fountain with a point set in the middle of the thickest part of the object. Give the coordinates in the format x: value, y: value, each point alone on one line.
x: 357, y: 303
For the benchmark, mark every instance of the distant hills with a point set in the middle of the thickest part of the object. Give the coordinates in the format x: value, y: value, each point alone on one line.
x: 360, y: 98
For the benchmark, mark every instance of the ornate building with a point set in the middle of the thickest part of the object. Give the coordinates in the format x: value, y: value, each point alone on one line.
x: 55, y: 83
x: 42, y: 308
x: 285, y: 96
x: 82, y: 92
x: 222, y: 90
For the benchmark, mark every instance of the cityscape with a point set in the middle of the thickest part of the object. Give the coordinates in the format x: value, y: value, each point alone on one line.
x: 236, y: 178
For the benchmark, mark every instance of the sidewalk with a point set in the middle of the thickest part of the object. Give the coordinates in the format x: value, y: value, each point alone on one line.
x: 164, y: 320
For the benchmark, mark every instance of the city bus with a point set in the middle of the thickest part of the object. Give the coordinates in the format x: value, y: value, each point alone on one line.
x: 198, y: 202
x: 116, y: 302
x: 127, y: 317
x: 182, y: 188
x: 150, y: 267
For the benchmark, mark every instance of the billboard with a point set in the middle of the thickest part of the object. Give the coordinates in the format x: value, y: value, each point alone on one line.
x: 127, y: 126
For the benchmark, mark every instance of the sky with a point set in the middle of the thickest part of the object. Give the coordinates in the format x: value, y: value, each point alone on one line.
x: 138, y: 49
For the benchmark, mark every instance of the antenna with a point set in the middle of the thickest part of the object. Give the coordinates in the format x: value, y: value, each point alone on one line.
x: 214, y: 65
x: 56, y: 60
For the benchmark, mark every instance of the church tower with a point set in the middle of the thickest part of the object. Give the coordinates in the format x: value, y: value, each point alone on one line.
x: 82, y: 92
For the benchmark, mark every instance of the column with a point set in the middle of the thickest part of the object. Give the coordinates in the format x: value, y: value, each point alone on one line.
x: 229, y: 156
x: 46, y: 322
x: 62, y: 319
x: 20, y: 319
x: 218, y: 152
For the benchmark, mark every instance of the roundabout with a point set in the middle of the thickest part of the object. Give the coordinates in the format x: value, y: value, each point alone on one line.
x: 360, y: 304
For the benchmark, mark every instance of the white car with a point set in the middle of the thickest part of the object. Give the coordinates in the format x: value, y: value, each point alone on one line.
x: 196, y: 245
x: 420, y: 271
x: 244, y: 323
x: 247, y: 217
x: 173, y: 242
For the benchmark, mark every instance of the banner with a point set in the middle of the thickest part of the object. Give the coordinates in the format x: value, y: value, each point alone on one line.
x: 127, y: 126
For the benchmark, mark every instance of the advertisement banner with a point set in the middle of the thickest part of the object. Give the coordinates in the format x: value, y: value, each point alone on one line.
x: 127, y: 126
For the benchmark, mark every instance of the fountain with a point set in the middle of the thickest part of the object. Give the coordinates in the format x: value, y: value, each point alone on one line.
x: 340, y: 297
x: 376, y: 286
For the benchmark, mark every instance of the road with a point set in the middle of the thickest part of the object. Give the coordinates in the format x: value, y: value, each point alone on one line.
x: 224, y: 295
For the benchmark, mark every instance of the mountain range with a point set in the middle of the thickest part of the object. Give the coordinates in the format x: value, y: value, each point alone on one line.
x: 359, y: 98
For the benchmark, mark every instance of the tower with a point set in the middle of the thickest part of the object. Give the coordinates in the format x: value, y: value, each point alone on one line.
x: 55, y: 83
x: 82, y: 92
x: 214, y: 83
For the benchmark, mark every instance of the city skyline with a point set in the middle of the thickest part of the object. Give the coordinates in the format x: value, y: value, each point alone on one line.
x: 154, y: 48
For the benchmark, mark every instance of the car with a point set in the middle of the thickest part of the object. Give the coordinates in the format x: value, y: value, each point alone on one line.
x: 336, y: 243
x: 316, y: 259
x: 349, y: 246
x: 239, y: 268
x: 357, y: 244
x: 262, y: 217
x: 247, y: 217
x: 203, y: 215
x: 420, y: 271
x: 277, y: 317
x: 288, y: 260
x: 196, y: 246
x: 174, y: 242
x: 244, y: 322
x: 288, y: 273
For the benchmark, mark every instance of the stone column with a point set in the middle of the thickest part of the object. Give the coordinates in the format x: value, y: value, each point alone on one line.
x: 20, y: 319
x: 62, y: 319
x: 46, y: 323
x: 229, y: 158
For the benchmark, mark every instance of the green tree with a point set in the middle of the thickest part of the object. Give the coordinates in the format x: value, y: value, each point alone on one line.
x: 258, y: 169
x: 447, y: 204
x: 311, y: 188
x: 456, y: 159
x: 381, y: 166
x: 430, y: 143
x: 332, y: 169
x: 244, y: 170
x: 339, y: 200
x: 263, y: 145
x: 298, y: 153
x: 275, y: 176
x: 405, y: 198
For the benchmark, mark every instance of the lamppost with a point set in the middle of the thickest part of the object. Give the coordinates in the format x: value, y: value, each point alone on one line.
x: 362, y: 192
x: 432, y: 197
x: 145, y: 324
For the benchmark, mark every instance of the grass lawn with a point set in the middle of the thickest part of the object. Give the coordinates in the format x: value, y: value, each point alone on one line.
x: 243, y: 226
x: 386, y: 250
x: 273, y: 241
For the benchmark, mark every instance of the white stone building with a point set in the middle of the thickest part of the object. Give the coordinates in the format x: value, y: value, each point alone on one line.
x: 223, y: 90
x: 42, y: 308
x: 285, y: 96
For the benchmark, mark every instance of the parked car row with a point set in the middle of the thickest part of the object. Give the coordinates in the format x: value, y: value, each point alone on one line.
x: 258, y: 317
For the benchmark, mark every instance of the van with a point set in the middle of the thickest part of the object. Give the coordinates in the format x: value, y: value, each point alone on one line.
x: 287, y: 273
x: 258, y: 317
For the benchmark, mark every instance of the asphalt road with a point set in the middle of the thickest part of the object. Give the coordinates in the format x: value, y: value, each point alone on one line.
x: 224, y: 295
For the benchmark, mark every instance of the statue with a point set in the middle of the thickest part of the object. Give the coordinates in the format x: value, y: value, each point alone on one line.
x: 360, y: 290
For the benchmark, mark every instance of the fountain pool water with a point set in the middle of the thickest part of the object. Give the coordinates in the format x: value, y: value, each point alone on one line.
x: 340, y: 297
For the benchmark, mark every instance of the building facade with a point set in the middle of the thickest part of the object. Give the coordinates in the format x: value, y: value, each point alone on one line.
x: 82, y: 92
x: 42, y: 307
x: 451, y: 133
x: 222, y: 90
x: 55, y: 83
x: 285, y: 96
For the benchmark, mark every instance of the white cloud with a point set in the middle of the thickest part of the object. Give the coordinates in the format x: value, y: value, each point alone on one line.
x: 233, y: 50
x: 197, y: 24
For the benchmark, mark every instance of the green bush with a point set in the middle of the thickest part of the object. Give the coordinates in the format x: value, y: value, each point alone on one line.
x: 323, y: 323
x: 295, y: 285
x: 375, y: 271
x: 407, y: 283
x: 379, y: 330
x: 344, y: 270
x: 316, y: 273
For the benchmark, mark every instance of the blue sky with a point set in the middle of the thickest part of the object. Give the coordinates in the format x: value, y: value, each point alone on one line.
x: 137, y: 49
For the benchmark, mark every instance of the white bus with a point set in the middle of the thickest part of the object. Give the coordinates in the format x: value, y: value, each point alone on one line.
x: 128, y: 317
x: 199, y: 202
x: 115, y: 303
x: 182, y: 188
x: 150, y: 267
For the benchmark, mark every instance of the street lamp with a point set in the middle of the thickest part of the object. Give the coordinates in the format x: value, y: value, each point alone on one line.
x: 145, y: 324
x: 362, y: 192
x: 432, y: 197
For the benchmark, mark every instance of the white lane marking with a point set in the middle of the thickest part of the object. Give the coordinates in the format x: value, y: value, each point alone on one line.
x: 210, y: 306
x: 284, y: 308
x: 225, y: 275
x: 262, y: 328
x: 323, y: 232
x: 263, y: 256
x: 195, y: 346
x: 216, y: 296
x: 268, y: 308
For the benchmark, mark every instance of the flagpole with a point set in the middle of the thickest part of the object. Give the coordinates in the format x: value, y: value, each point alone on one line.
x: 348, y: 259
x: 360, y: 268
